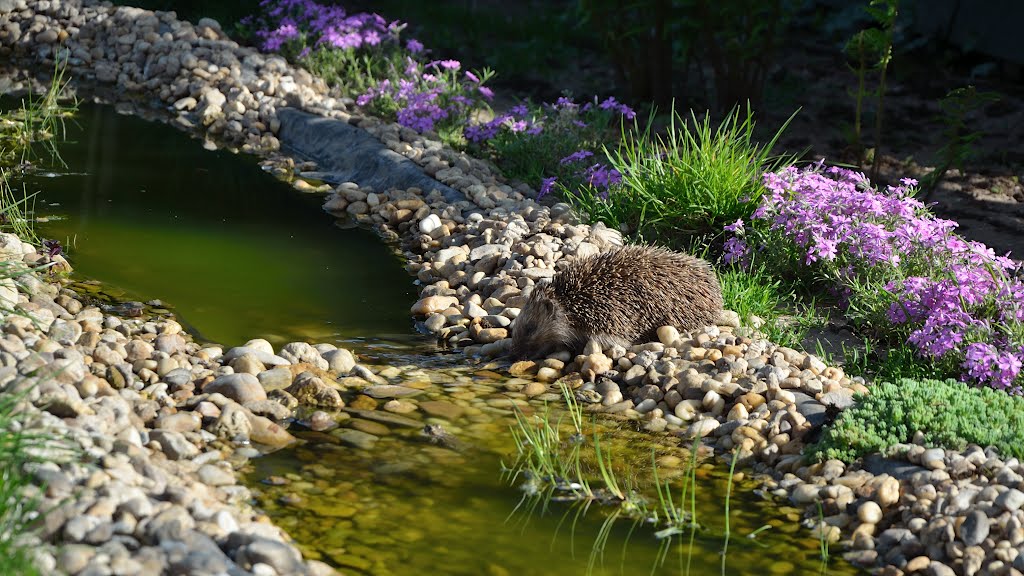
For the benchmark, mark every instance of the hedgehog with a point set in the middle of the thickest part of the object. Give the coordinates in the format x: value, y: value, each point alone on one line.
x: 616, y: 298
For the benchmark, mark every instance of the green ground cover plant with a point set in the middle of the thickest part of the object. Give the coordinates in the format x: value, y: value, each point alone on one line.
x: 948, y: 413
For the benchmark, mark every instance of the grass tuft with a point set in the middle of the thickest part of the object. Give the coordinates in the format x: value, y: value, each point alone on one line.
x: 690, y: 182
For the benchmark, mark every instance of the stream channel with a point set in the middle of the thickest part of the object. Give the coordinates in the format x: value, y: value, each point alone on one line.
x: 147, y: 212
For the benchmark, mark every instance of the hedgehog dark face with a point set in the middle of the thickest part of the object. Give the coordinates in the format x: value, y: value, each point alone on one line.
x: 542, y: 327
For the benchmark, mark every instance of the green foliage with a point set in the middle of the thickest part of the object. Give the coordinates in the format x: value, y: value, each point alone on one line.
x: 521, y: 40
x: 353, y: 72
x: 689, y: 183
x: 18, y: 449
x: 530, y: 157
x: 39, y: 122
x: 653, y: 41
x: 765, y: 301
x: 959, y: 141
x: 949, y: 414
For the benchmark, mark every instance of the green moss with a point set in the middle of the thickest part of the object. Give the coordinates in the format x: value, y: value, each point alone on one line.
x: 950, y: 414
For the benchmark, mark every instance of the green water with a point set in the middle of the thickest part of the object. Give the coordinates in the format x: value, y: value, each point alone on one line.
x: 408, y: 507
x: 236, y: 253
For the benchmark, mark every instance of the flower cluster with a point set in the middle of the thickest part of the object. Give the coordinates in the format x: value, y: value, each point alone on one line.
x: 298, y: 26
x: 895, y: 267
x: 424, y: 96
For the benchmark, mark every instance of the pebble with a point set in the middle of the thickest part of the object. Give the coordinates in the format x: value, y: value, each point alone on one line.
x: 241, y: 388
x: 975, y: 528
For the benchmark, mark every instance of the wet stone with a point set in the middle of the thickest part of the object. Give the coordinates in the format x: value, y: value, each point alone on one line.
x: 391, y: 391
x: 356, y: 438
x: 368, y: 426
x: 441, y: 409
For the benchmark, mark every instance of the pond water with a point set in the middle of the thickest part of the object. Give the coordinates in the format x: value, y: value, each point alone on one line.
x: 236, y: 254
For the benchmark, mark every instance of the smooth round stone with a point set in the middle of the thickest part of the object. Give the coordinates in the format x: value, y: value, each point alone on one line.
x: 430, y: 223
x: 1011, y: 500
x: 805, y: 494
x: 701, y: 427
x: 368, y: 426
x: 391, y: 391
x: 248, y: 364
x: 241, y: 388
x: 320, y: 421
x: 356, y: 438
x: 213, y: 475
x: 399, y: 406
x: 431, y: 304
x: 547, y: 374
x: 489, y: 335
x: 934, y: 458
x: 936, y: 568
x: 179, y: 422
x: 668, y: 335
x: 535, y: 389
x: 441, y: 409
x: 888, y: 492
x: 275, y: 379
x: 975, y: 528
x: 869, y: 512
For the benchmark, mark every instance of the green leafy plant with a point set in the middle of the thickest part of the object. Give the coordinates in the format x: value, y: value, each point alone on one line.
x: 739, y: 40
x: 959, y: 140
x: 651, y: 42
x: 871, y: 50
x: 949, y: 414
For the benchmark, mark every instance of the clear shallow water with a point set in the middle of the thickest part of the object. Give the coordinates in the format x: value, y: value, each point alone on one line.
x: 238, y: 255
x: 408, y: 507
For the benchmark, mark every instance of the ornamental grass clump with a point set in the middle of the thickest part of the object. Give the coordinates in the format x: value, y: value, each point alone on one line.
x: 553, y: 143
x: 947, y: 413
x: 901, y: 274
x: 682, y: 185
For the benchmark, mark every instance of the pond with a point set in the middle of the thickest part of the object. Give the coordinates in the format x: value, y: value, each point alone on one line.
x: 236, y: 254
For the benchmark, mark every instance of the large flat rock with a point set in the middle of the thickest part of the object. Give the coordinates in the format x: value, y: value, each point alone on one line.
x: 347, y: 153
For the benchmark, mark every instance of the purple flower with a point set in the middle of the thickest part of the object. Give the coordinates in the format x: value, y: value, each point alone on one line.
x: 450, y: 64
x: 577, y: 156
x: 736, y: 227
x: 414, y: 46
x: 546, y: 186
x: 894, y: 265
